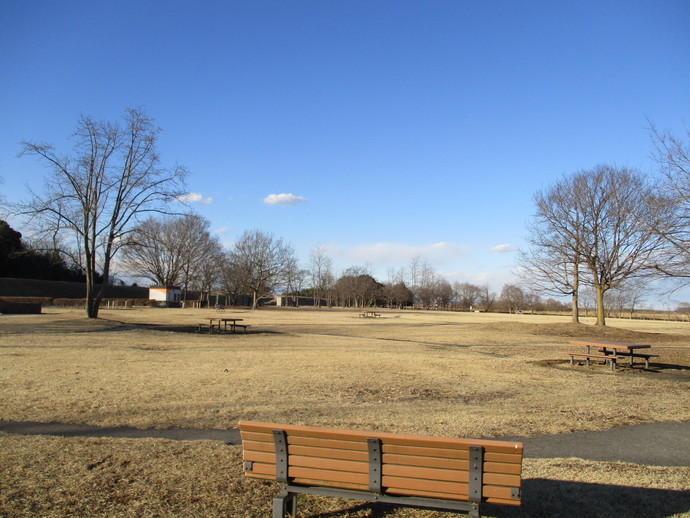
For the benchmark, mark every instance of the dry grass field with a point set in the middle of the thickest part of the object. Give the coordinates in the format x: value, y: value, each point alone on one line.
x: 437, y: 373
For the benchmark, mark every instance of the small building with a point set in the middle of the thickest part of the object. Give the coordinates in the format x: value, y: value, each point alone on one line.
x: 165, y: 293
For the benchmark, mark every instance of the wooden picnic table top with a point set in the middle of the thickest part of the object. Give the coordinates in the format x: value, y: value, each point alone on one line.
x: 621, y: 346
x: 223, y: 319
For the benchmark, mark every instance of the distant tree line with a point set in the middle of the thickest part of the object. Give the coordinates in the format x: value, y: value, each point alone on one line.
x: 605, y: 232
x: 182, y: 251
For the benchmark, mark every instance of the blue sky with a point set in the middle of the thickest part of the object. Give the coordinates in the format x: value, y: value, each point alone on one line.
x: 400, y: 128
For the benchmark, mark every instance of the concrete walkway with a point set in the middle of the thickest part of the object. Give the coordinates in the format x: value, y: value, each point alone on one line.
x: 652, y: 444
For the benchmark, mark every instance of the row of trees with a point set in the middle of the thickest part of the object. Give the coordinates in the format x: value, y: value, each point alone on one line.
x: 600, y: 229
x: 183, y: 251
x: 609, y: 227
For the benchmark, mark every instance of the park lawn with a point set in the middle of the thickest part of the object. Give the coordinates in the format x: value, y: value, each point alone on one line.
x: 437, y: 373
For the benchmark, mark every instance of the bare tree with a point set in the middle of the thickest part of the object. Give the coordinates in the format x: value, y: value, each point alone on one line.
x: 172, y: 250
x: 294, y: 278
x: 426, y: 287
x: 615, y: 247
x: 234, y: 279
x: 210, y: 272
x: 444, y: 293
x: 590, y: 221
x: 199, y: 249
x: 153, y: 251
x: 553, y: 261
x: 670, y: 214
x: 628, y: 296
x: 321, y: 274
x: 97, y: 195
x: 263, y: 261
x: 512, y: 297
x: 467, y: 294
x: 487, y: 298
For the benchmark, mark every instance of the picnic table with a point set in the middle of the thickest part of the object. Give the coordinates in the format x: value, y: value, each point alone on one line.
x: 224, y: 322
x: 369, y: 314
x: 614, y: 351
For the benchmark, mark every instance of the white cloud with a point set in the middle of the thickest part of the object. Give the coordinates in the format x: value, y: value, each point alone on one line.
x: 195, y: 197
x: 221, y: 230
x: 502, y: 249
x: 284, y: 199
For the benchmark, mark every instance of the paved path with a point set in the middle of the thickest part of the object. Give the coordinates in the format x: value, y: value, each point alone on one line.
x: 653, y: 444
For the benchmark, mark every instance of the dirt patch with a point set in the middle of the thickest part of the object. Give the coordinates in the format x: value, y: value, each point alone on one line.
x: 573, y: 331
x: 657, y: 371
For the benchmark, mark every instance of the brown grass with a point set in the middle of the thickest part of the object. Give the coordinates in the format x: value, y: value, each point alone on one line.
x: 439, y: 373
x: 55, y: 477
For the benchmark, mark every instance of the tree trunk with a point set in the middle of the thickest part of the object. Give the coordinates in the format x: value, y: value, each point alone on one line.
x: 576, y: 293
x: 576, y: 308
x: 601, y: 313
x: 91, y: 308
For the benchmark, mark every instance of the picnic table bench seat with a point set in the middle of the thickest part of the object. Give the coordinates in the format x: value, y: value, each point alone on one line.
x: 202, y: 326
x: 644, y: 356
x: 417, y: 471
x: 610, y: 358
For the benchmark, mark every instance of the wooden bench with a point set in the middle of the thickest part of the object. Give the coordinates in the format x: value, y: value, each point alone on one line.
x: 416, y: 471
x: 645, y: 356
x: 203, y: 326
x: 243, y: 326
x: 610, y: 358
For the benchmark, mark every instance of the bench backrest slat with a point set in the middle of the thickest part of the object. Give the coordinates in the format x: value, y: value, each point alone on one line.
x: 411, y: 465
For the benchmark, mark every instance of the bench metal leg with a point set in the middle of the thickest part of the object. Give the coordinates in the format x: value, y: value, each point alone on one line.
x: 285, y: 504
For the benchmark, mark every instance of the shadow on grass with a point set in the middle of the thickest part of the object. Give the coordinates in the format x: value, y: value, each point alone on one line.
x: 558, y: 498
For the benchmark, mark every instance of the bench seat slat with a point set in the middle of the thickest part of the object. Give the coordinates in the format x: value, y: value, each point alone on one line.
x: 267, y: 438
x: 325, y: 475
x: 327, y: 453
x: 433, y: 462
x: 457, y: 490
x: 358, y: 445
x: 259, y: 446
x: 334, y: 464
x: 451, y: 490
x: 309, y: 432
x: 490, y: 455
x: 255, y: 436
x: 447, y: 475
x: 259, y: 468
x: 319, y: 477
x: 321, y: 483
x: 259, y: 456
